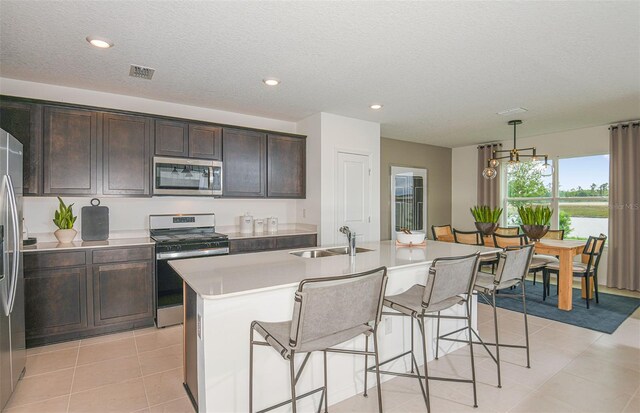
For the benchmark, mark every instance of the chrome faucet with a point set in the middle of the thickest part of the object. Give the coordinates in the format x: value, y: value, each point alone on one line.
x: 351, y: 237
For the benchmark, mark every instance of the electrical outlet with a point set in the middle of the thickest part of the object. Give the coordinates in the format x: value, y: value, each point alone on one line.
x: 388, y: 326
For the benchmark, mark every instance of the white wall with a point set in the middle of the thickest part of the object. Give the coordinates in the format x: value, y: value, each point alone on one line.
x: 132, y: 213
x: 33, y: 90
x: 464, y: 168
x: 328, y: 134
x: 309, y: 208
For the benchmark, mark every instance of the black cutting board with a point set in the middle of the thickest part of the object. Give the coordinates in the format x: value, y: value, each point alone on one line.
x: 95, y: 222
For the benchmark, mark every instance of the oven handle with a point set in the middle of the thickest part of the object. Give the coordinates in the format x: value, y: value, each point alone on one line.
x: 191, y: 254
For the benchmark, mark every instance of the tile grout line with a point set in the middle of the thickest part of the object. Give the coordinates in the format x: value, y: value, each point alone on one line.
x: 73, y: 378
x: 144, y: 386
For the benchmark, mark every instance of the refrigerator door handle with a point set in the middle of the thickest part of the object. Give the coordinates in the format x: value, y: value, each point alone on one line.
x: 16, y: 243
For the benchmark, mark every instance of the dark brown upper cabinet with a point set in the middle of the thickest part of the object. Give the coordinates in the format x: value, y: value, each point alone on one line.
x: 192, y: 140
x: 172, y: 138
x: 70, y: 157
x: 24, y: 122
x: 245, y: 157
x: 286, y: 166
x: 126, y: 154
x: 205, y: 141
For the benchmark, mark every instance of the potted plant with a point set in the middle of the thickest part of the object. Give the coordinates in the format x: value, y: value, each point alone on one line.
x: 486, y: 218
x: 535, y: 220
x: 64, y: 220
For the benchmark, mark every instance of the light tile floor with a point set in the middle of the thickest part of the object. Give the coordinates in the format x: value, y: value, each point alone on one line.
x: 573, y: 369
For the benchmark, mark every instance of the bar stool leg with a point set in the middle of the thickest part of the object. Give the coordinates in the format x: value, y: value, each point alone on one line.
x: 377, y: 358
x: 251, y: 371
x: 526, y: 324
x: 424, y: 356
x: 438, y: 335
x: 292, y: 371
x: 412, y: 370
x: 473, y: 364
x: 326, y: 397
x: 366, y: 360
x: 495, y: 325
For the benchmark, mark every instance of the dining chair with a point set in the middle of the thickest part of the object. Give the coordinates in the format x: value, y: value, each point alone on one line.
x: 554, y: 234
x: 439, y: 230
x: 327, y: 311
x: 513, y: 267
x: 538, y: 263
x: 507, y: 230
x: 475, y: 238
x: 591, y: 253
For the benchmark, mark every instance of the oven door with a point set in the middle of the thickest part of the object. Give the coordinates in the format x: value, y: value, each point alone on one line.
x: 169, y: 310
x: 180, y: 176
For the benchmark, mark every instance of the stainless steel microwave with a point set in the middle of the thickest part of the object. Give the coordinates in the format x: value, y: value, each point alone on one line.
x: 182, y: 176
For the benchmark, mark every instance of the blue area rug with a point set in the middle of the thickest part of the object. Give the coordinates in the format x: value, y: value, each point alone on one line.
x: 604, y: 317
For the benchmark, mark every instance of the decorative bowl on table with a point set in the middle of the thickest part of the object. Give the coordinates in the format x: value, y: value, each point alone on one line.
x: 535, y: 232
x: 413, y: 238
x: 487, y: 228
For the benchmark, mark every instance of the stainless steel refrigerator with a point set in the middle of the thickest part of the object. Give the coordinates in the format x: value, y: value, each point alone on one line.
x: 12, y: 337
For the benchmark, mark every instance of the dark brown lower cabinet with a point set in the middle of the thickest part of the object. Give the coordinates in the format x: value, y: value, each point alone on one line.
x: 55, y: 301
x: 87, y: 292
x: 239, y: 246
x: 122, y: 292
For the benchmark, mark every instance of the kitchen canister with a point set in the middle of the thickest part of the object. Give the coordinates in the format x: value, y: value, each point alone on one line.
x: 272, y: 224
x: 258, y: 226
x: 246, y: 224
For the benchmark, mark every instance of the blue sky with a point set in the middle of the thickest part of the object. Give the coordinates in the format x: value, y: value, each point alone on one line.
x: 583, y: 171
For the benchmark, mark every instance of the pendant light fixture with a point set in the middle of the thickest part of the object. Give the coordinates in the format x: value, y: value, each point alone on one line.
x: 514, y: 155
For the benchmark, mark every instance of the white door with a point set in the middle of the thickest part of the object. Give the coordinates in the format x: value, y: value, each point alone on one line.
x: 353, y: 196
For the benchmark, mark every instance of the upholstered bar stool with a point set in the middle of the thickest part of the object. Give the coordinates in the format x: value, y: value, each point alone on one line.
x: 512, y: 270
x: 449, y: 282
x: 327, y: 311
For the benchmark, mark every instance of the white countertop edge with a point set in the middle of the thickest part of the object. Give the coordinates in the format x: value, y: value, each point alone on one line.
x: 82, y: 245
x: 284, y: 286
x: 283, y: 233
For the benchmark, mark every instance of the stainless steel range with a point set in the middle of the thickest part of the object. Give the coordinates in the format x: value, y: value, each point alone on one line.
x: 177, y: 237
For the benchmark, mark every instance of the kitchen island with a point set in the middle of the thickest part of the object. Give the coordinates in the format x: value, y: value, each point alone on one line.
x: 223, y: 295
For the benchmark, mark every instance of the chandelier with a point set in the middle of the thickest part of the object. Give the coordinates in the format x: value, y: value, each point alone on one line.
x: 514, y: 156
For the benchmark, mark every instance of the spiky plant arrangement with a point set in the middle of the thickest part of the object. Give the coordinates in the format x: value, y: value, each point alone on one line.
x: 64, y: 218
x: 484, y: 213
x: 535, y: 215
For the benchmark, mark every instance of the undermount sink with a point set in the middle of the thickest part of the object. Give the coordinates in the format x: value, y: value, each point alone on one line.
x: 345, y: 250
x: 313, y: 254
x: 328, y: 252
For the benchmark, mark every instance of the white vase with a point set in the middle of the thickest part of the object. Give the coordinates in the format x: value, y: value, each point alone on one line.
x: 65, y: 236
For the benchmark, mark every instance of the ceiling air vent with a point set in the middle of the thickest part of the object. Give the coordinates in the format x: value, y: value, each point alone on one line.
x: 512, y: 111
x: 141, y: 72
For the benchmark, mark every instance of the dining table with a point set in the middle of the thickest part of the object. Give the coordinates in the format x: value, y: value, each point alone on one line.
x: 565, y: 250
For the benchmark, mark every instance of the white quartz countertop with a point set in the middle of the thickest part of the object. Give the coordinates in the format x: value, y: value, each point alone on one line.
x: 281, y: 233
x: 224, y: 276
x: 56, y: 246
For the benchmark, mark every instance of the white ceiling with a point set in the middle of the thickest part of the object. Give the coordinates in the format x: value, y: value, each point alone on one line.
x: 441, y: 69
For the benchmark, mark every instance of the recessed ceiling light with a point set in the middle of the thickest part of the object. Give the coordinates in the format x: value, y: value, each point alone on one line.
x: 100, y: 42
x: 376, y: 106
x: 271, y: 82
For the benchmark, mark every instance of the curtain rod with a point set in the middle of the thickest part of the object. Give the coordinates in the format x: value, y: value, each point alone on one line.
x: 625, y: 124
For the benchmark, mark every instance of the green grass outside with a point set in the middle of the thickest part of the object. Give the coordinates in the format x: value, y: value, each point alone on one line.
x: 586, y: 211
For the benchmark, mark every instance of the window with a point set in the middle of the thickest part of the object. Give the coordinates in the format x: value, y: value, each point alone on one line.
x: 583, y: 193
x: 578, y: 193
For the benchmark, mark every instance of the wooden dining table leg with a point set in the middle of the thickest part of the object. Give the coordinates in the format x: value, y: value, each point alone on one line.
x: 565, y: 280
